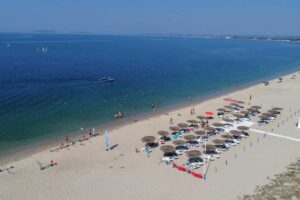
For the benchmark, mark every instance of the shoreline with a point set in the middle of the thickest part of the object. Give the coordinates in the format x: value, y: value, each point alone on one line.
x: 87, y: 169
x: 26, y: 150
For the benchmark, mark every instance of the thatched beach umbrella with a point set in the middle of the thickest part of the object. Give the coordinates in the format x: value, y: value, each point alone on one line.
x: 235, y: 132
x: 277, y: 108
x: 228, y: 120
x: 243, y: 128
x: 264, y: 115
x: 251, y: 109
x: 256, y: 107
x: 218, y: 124
x: 209, y: 146
x: 179, y: 142
x: 193, y: 153
x: 244, y: 112
x: 273, y: 111
x: 201, y: 117
x: 174, y: 128
x: 192, y: 121
x: 218, y: 141
x: 228, y: 107
x: 148, y: 139
x: 199, y: 132
x: 238, y: 115
x: 167, y: 148
x: 189, y: 137
x: 235, y: 104
x: 272, y: 115
x: 221, y: 109
x: 209, y: 128
x: 163, y: 133
x: 182, y: 125
x: 227, y: 136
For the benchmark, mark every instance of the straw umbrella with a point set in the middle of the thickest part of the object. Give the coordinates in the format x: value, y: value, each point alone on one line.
x: 228, y: 120
x: 192, y: 121
x: 272, y: 115
x: 189, y: 137
x: 244, y: 112
x: 243, y: 128
x: 238, y: 115
x: 174, y: 128
x: 251, y: 109
x: 199, y: 132
x: 218, y: 141
x: 256, y: 107
x: 182, y: 125
x: 193, y: 153
x: 201, y: 117
x: 277, y: 108
x: 179, y: 142
x: 235, y: 132
x: 227, y: 136
x: 235, y: 104
x: 167, y: 148
x: 163, y: 133
x: 148, y: 139
x: 218, y: 124
x: 264, y: 115
x: 209, y: 146
x: 221, y: 109
x: 273, y: 111
x: 209, y: 128
x: 228, y: 107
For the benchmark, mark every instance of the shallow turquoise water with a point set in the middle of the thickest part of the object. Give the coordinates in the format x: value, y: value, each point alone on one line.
x: 44, y: 94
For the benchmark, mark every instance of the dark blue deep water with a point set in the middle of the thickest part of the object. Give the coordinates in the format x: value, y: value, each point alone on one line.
x: 45, y: 94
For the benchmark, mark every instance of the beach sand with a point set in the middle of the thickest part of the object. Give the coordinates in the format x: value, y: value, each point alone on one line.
x: 89, y: 172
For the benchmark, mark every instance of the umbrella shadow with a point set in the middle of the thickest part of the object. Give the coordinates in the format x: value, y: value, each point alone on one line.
x: 207, y: 168
x: 113, y: 146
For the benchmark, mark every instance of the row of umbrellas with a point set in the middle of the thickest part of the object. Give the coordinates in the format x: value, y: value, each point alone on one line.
x: 201, y: 132
x: 193, y: 153
x: 190, y: 154
x: 196, y: 153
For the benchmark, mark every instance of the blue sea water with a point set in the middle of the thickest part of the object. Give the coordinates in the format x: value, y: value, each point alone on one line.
x: 56, y: 91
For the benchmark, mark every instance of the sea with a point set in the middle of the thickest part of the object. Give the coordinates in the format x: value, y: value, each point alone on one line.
x: 50, y: 84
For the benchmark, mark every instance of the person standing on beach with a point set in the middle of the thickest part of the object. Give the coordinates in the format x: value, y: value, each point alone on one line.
x: 67, y: 139
x: 171, y: 120
x: 107, y: 144
x: 250, y: 98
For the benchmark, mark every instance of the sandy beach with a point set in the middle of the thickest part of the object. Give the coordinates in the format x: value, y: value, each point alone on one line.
x: 88, y: 171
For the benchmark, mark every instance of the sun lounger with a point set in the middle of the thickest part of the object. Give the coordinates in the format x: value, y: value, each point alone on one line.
x: 181, y: 168
x: 43, y: 167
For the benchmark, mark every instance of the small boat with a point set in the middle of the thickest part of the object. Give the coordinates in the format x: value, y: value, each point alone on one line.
x: 118, y: 115
x: 107, y: 79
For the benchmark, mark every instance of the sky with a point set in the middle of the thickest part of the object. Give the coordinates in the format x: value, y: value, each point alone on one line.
x: 221, y: 17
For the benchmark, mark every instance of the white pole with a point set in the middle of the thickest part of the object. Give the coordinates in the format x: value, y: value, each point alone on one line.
x: 204, y: 162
